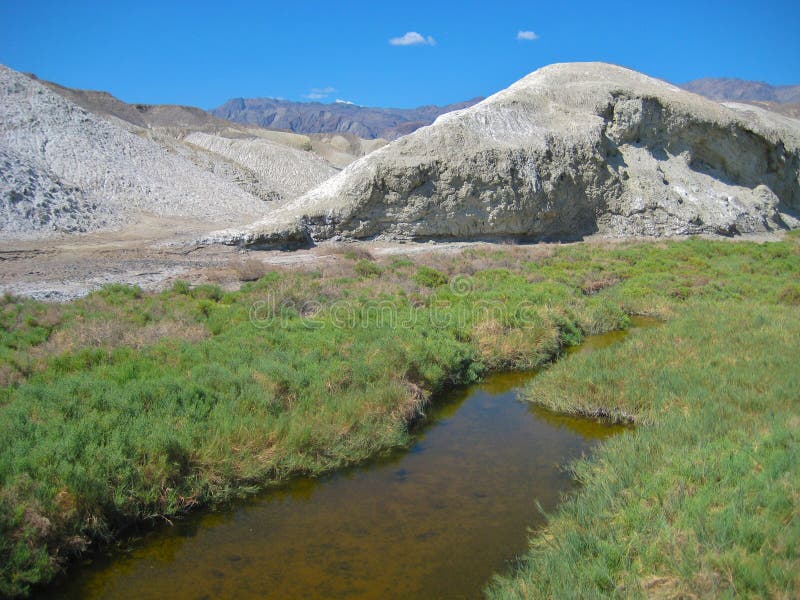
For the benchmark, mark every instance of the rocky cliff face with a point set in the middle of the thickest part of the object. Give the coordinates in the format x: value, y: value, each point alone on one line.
x: 569, y: 150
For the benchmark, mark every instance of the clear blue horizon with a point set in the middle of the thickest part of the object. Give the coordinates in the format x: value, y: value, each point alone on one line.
x: 383, y: 54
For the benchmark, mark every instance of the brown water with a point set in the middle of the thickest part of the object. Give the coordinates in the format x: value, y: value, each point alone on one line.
x: 432, y: 521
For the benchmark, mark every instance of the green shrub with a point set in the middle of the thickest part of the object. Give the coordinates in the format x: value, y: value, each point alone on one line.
x: 400, y: 262
x: 367, y: 268
x: 181, y: 287
x: 208, y: 291
x: 430, y: 278
x: 118, y: 293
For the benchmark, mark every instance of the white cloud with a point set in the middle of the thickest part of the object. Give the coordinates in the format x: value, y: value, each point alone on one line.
x: 319, y: 93
x: 340, y: 101
x: 412, y: 38
x: 528, y: 36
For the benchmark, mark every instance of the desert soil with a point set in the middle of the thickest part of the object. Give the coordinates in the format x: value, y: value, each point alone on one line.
x: 156, y: 252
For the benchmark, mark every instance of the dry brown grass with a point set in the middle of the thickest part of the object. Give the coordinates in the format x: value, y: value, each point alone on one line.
x: 468, y: 261
x: 116, y: 333
x: 238, y: 270
x: 249, y: 269
x: 415, y: 401
x: 9, y: 376
x: 595, y: 283
x: 354, y: 252
x: 338, y: 268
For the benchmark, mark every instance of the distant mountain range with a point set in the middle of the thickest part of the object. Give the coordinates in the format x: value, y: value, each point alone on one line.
x: 739, y: 90
x: 339, y: 117
x: 370, y: 123
x: 176, y: 122
x: 784, y: 99
x: 392, y: 123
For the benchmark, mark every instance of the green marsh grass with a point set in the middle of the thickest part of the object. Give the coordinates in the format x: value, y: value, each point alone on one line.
x: 127, y: 406
x: 702, y: 499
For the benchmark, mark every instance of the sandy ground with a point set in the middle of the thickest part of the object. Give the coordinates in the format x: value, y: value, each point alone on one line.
x: 153, y: 255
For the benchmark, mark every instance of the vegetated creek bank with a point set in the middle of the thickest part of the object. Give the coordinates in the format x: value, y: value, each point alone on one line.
x: 434, y: 520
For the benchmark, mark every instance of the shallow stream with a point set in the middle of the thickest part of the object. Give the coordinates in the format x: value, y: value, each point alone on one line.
x: 435, y: 520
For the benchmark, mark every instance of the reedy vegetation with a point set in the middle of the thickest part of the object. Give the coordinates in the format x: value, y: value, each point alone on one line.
x: 126, y: 406
x: 702, y: 500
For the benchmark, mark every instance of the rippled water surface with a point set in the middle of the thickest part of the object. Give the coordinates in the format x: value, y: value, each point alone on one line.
x: 434, y: 520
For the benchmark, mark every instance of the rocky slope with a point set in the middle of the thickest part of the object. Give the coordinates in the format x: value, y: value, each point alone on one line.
x: 273, y: 165
x: 570, y: 150
x: 340, y: 149
x: 339, y: 117
x: 66, y: 170
x: 82, y: 161
x: 290, y: 170
x: 789, y: 109
x: 139, y: 115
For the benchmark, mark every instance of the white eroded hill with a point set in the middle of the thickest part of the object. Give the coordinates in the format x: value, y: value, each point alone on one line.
x: 569, y: 150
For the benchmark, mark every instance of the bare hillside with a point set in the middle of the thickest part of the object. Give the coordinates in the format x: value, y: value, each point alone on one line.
x: 65, y: 170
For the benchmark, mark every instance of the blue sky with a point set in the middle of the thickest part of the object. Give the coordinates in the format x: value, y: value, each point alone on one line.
x: 202, y: 53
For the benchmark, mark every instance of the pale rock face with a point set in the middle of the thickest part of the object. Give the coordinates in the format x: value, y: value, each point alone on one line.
x: 570, y: 150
